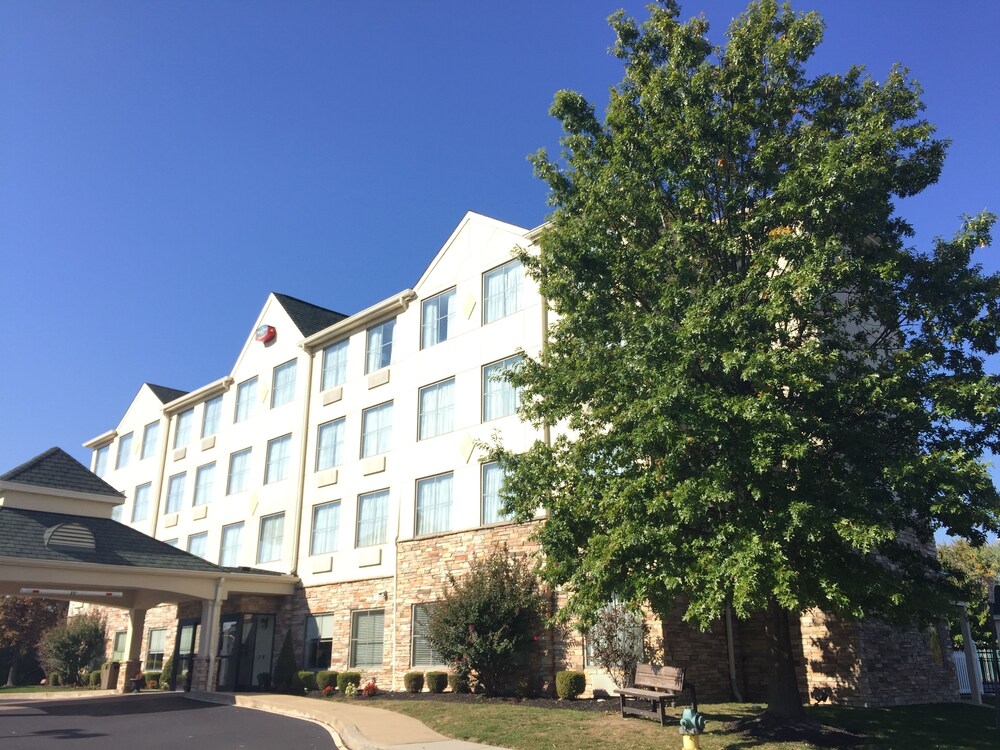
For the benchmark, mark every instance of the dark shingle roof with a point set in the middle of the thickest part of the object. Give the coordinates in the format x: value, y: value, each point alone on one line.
x: 57, y: 469
x: 166, y: 395
x: 307, y: 317
x: 22, y: 535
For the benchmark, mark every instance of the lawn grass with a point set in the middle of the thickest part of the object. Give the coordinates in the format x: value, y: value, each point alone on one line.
x: 952, y: 726
x: 40, y: 689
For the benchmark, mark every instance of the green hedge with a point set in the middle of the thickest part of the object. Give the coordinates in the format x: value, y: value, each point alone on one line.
x: 413, y: 682
x: 436, y: 681
x: 326, y: 678
x: 570, y: 684
x: 458, y: 684
x: 348, y: 678
x: 308, y: 679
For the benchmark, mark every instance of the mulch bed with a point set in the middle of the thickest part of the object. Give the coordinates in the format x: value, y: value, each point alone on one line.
x: 599, y: 705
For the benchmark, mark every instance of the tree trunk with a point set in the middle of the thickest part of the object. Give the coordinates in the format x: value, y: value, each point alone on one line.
x: 783, y: 700
x: 12, y: 673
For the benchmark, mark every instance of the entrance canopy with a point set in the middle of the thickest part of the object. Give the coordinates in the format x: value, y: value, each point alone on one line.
x: 58, y: 540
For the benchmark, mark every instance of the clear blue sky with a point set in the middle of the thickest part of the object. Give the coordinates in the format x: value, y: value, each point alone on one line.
x: 164, y: 165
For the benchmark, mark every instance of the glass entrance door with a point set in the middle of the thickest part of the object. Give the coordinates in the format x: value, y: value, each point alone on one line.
x: 185, y: 650
x: 246, y: 645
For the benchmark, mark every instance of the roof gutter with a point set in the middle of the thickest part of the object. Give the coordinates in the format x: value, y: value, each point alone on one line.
x: 205, y: 392
x: 363, y: 319
x: 103, y: 439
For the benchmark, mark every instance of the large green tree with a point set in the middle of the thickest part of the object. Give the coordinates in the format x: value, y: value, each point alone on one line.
x: 769, y: 398
x: 975, y: 568
x: 22, y: 620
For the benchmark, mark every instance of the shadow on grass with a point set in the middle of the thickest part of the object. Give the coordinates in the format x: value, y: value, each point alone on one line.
x: 949, y: 725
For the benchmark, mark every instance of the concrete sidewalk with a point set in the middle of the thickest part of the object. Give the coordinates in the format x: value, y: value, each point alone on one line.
x: 358, y: 727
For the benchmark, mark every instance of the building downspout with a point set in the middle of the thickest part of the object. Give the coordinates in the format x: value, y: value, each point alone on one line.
x: 159, y: 473
x: 733, y: 682
x: 300, y: 486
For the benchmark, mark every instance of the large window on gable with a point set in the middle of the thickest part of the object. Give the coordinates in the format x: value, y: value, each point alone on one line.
x: 373, y: 516
x: 502, y: 291
x: 367, y: 637
x: 319, y: 641
x: 204, y: 484
x: 150, y: 435
x: 246, y: 399
x: 437, y: 409
x: 175, y: 493
x: 325, y: 528
x: 334, y: 365
x: 437, y: 316
x: 330, y: 444
x: 124, y: 451
x: 239, y: 472
x: 140, y: 505
x: 182, y: 431
x: 376, y: 429
x: 500, y: 398
x: 101, y: 460
x: 272, y: 536
x: 379, y: 348
x: 434, y: 501
x: 283, y: 388
x: 422, y: 653
x: 279, y: 459
x: 212, y: 417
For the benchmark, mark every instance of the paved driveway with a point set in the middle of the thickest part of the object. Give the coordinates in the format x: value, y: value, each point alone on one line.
x: 151, y: 721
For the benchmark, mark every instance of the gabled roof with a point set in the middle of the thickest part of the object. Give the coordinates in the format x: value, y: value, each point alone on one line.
x: 166, y: 395
x: 56, y: 469
x: 307, y: 317
x: 23, y: 535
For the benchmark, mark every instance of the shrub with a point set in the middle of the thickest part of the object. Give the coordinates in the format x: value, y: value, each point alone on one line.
x: 165, y: 675
x: 264, y: 680
x: 350, y: 690
x: 570, y: 684
x: 285, y: 674
x: 308, y: 679
x: 153, y: 680
x: 487, y: 621
x: 619, y: 640
x: 459, y: 683
x: 436, y: 681
x: 55, y: 679
x: 370, y: 688
x: 413, y: 682
x: 67, y: 647
x: 326, y: 678
x: 95, y: 678
x: 348, y: 678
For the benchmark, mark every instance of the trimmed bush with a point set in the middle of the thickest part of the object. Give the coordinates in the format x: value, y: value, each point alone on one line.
x: 326, y: 678
x: 570, y: 684
x: 436, y: 681
x: 413, y: 682
x: 308, y: 679
x: 348, y: 678
x: 55, y: 679
x: 153, y: 680
x: 168, y: 669
x: 459, y: 683
x: 95, y: 678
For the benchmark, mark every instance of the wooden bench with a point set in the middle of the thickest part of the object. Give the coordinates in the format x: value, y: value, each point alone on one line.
x: 654, y: 688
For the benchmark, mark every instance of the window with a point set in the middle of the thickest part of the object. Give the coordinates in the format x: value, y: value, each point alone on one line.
x: 239, y: 470
x: 423, y: 654
x: 279, y: 453
x: 118, y: 647
x: 330, y: 445
x: 124, y: 451
x: 140, y: 507
x: 154, y: 652
x: 325, y: 528
x: 182, y: 432
x: 198, y: 544
x: 101, y: 460
x: 437, y: 315
x: 175, y: 493
x: 334, y: 365
x: 500, y: 398
x: 149, y: 438
x: 212, y: 416
x: 272, y: 530
x: 204, y: 484
x: 376, y: 429
x: 379, y: 350
x: 434, y: 504
x: 373, y: 512
x: 171, y: 542
x: 437, y: 409
x: 246, y: 396
x: 492, y: 503
x: 116, y: 513
x: 283, y: 386
x: 367, y: 632
x: 229, y: 550
x: 319, y: 641
x: 502, y: 291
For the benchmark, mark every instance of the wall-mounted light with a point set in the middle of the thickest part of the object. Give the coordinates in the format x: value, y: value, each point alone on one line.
x: 384, y: 595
